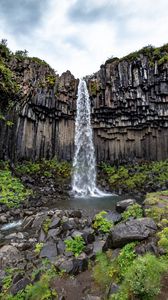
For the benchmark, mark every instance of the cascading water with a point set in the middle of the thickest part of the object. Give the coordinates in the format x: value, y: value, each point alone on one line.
x: 84, y: 164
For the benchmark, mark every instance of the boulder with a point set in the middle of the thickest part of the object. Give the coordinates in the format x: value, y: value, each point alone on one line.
x: 113, y: 216
x: 20, y: 285
x: 9, y: 255
x: 133, y: 230
x: 122, y: 205
x: 49, y: 251
x: 55, y: 222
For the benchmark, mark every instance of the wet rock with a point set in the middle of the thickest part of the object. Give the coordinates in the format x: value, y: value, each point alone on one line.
x: 80, y: 263
x: 27, y: 222
x: 20, y: 285
x: 49, y: 251
x: 98, y: 246
x: 88, y: 235
x: 133, y: 230
x: 66, y: 265
x: 61, y: 247
x: 69, y: 224
x: 122, y: 205
x: 53, y: 233
x: 39, y: 219
x: 55, y: 222
x: 9, y: 255
x: 114, y: 217
x: 76, y: 214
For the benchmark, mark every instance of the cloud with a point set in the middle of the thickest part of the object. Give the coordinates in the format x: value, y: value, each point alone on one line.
x: 21, y: 16
x: 80, y: 35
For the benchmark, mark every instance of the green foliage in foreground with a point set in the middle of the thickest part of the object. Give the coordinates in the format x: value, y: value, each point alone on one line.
x: 47, y: 168
x: 101, y: 223
x: 151, y: 175
x: 135, y: 211
x: 75, y: 245
x: 108, y: 269
x: 139, y: 277
x: 156, y: 207
x: 12, y: 191
x: 39, y: 290
x: 163, y: 239
x: 143, y: 277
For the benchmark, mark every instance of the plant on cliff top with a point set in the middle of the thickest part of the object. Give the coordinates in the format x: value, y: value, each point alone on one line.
x: 101, y: 223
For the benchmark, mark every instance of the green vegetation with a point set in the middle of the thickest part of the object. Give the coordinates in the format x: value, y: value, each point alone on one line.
x: 156, y: 206
x: 39, y: 290
x: 7, y: 82
x: 135, y: 211
x: 159, y: 54
x: 101, y: 223
x: 163, y: 239
x: 47, y: 168
x: 75, y: 245
x: 142, y: 279
x: 149, y: 175
x: 38, y: 248
x: 108, y: 269
x: 46, y: 224
x: 50, y: 80
x: 12, y: 191
x: 94, y: 87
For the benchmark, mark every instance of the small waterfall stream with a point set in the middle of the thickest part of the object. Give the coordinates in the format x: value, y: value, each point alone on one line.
x: 84, y: 164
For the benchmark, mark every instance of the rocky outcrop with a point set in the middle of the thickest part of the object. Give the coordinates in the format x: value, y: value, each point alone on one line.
x: 129, y: 100
x: 130, y: 108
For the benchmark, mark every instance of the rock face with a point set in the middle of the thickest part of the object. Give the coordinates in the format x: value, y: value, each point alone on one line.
x: 129, y: 100
x: 130, y: 110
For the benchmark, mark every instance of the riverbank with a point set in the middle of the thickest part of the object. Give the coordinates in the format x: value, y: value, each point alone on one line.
x: 68, y: 253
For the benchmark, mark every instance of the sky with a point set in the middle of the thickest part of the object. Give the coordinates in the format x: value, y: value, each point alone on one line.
x: 80, y: 35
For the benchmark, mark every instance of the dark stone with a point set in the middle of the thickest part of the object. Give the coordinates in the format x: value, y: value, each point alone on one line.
x: 55, y: 222
x: 53, y: 233
x: 98, y: 246
x: 61, y: 247
x: 76, y: 214
x: 49, y: 251
x: 88, y: 235
x: 134, y: 230
x: 20, y: 285
x: 122, y: 205
x: 114, y: 217
x: 67, y: 266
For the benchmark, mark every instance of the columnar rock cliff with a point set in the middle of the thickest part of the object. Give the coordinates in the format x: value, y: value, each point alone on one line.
x: 129, y: 109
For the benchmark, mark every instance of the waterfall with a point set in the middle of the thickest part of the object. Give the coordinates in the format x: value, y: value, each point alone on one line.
x: 84, y: 163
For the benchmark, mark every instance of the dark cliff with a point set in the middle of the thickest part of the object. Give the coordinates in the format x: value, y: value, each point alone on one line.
x: 129, y: 108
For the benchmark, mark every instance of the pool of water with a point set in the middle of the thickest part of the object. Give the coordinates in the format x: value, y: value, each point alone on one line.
x: 92, y: 203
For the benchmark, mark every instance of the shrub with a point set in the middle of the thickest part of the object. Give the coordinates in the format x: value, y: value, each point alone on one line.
x: 142, y: 279
x: 101, y: 223
x: 163, y: 239
x: 135, y: 211
x: 125, y: 259
x: 75, y: 245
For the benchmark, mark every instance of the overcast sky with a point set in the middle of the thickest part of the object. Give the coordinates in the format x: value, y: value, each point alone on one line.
x: 80, y: 35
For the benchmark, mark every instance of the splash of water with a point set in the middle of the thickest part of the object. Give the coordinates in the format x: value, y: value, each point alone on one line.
x: 84, y: 164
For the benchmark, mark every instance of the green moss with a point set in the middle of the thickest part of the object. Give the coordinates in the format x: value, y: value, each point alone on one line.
x: 38, y: 248
x: 94, y: 87
x: 50, y: 80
